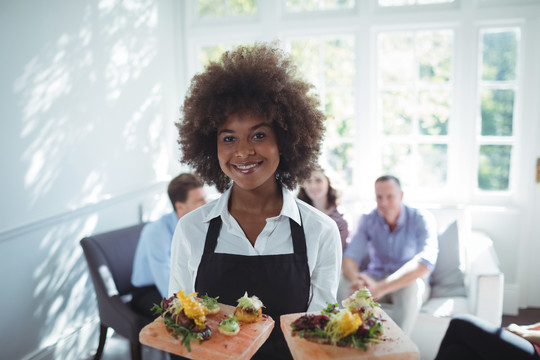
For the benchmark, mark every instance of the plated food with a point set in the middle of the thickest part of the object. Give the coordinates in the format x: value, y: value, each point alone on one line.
x: 229, y: 326
x: 355, y: 326
x: 360, y: 303
x: 185, y: 317
x: 210, y: 303
x: 249, y: 309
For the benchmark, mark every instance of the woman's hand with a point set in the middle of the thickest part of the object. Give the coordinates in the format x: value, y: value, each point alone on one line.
x: 528, y: 332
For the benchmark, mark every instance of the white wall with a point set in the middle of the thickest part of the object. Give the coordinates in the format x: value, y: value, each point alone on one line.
x: 89, y: 97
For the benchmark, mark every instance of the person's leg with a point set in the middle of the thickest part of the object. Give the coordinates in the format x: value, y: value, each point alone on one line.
x: 407, y: 303
x: 469, y: 337
x: 144, y: 299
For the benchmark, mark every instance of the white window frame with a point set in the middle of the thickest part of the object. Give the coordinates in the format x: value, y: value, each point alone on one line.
x: 364, y: 22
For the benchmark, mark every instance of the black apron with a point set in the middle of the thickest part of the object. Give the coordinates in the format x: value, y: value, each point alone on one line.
x: 281, y: 282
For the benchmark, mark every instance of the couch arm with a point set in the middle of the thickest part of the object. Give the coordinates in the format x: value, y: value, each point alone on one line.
x: 484, y: 278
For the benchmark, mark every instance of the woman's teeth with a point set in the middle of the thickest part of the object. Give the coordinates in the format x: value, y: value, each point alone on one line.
x: 246, y: 167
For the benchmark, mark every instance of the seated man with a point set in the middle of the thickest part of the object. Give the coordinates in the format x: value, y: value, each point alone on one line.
x: 152, y: 262
x: 403, y: 247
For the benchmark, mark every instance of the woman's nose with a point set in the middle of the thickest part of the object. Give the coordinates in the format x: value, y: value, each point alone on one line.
x: 244, y: 149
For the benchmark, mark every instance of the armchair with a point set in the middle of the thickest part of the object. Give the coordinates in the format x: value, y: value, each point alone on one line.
x: 110, y: 261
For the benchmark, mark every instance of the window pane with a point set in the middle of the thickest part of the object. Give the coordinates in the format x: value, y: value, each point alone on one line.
x: 329, y: 64
x: 397, y: 112
x: 211, y: 8
x: 211, y: 53
x: 396, y: 58
x: 432, y: 165
x: 422, y: 2
x: 499, y: 55
x: 411, y: 2
x: 339, y: 106
x: 339, y: 61
x: 306, y: 57
x: 341, y: 159
x: 434, y: 112
x: 397, y: 160
x: 494, y: 167
x: 314, y: 5
x: 497, y: 112
x: 434, y: 50
x: 221, y: 8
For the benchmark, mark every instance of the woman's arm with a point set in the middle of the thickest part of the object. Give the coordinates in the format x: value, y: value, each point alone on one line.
x: 530, y: 333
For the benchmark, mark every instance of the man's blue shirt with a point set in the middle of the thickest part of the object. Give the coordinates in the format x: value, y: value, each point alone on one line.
x: 152, y: 262
x: 415, y: 236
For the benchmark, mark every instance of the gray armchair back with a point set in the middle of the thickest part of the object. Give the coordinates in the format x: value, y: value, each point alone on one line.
x: 110, y: 261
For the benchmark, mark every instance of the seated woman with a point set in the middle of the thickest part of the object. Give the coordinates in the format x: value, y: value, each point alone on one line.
x: 469, y: 337
x: 319, y: 193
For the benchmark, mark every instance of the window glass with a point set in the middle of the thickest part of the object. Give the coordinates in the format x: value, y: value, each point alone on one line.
x: 225, y: 8
x: 433, y: 164
x: 412, y: 2
x: 328, y: 62
x: 494, y: 167
x: 211, y: 53
x: 497, y: 93
x: 499, y: 49
x: 315, y: 5
x: 434, y: 111
x: 415, y: 104
x: 497, y: 112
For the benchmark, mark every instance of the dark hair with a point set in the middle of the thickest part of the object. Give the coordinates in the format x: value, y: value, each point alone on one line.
x: 180, y: 186
x: 259, y: 79
x: 389, y: 178
x: 331, y: 195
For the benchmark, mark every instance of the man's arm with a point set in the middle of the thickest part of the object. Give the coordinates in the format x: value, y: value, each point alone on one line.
x: 401, y: 278
x: 351, y: 273
x: 353, y: 255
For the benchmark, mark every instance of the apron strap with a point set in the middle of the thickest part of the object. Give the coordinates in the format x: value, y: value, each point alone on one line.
x: 298, y: 237
x: 212, y: 235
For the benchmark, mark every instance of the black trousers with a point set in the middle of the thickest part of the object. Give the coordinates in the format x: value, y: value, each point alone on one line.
x: 144, y: 299
x: 469, y: 337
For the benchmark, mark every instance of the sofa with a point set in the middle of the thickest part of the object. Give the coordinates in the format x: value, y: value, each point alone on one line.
x: 466, y: 279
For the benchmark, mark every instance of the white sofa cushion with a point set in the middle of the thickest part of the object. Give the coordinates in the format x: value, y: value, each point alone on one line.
x: 447, y: 278
x: 445, y: 306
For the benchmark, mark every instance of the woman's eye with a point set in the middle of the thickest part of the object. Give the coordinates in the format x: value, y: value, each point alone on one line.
x: 259, y: 136
x: 228, y: 138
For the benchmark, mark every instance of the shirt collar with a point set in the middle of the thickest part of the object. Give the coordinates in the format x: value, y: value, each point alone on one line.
x: 401, y: 217
x: 289, y: 209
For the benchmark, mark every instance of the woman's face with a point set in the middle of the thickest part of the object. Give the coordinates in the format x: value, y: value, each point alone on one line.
x: 316, y: 186
x: 247, y: 150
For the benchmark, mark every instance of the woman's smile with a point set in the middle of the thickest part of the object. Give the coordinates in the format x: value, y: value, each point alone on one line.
x: 247, y: 168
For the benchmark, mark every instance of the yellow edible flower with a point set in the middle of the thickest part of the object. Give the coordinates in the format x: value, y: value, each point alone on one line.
x: 343, y: 324
x: 192, y: 308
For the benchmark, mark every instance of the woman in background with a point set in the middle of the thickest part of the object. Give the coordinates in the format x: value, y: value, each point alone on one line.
x: 319, y: 193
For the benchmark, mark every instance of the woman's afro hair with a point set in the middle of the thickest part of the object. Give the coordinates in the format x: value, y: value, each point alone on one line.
x: 260, y: 79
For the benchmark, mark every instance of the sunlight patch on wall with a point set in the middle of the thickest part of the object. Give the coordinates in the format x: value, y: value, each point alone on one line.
x: 62, y: 281
x: 75, y: 88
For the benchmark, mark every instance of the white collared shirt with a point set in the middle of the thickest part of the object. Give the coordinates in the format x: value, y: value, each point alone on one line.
x: 322, y: 243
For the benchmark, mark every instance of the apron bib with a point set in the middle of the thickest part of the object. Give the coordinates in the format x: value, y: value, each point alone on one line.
x: 281, y: 282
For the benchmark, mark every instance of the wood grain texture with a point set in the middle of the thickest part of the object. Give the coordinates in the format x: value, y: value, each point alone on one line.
x: 396, y: 344
x: 218, y: 347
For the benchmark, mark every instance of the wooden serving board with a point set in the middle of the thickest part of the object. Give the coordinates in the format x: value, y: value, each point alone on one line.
x: 396, y: 344
x: 241, y: 346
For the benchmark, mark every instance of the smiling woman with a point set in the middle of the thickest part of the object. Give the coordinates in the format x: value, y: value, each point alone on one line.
x: 251, y: 128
